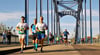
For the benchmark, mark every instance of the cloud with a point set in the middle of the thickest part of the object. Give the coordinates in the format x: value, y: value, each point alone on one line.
x: 15, y: 15
x: 95, y: 24
x: 67, y: 24
x: 44, y: 12
x: 95, y: 28
x: 10, y: 15
x: 94, y: 12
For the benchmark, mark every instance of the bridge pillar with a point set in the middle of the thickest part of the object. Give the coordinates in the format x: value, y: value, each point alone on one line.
x: 26, y: 18
x: 77, y: 36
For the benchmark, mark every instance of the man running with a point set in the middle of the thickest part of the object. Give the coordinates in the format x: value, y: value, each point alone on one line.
x: 22, y: 27
x: 51, y: 37
x: 57, y: 39
x: 65, y: 33
x: 9, y: 35
x: 41, y: 27
x: 4, y: 36
x: 34, y: 34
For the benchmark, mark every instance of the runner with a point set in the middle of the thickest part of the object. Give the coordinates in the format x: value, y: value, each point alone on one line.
x: 57, y: 39
x: 61, y: 38
x: 34, y: 35
x: 22, y: 27
x: 55, y: 35
x: 9, y: 35
x: 41, y: 27
x: 4, y: 36
x: 51, y: 37
x: 65, y: 33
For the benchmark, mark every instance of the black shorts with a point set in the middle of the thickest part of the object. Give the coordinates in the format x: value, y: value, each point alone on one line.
x: 51, y: 39
x: 34, y: 36
x: 66, y: 38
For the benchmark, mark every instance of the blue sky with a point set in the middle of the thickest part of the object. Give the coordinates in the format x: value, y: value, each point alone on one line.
x: 12, y: 10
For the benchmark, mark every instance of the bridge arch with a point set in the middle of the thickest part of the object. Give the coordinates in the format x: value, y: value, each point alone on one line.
x: 68, y: 22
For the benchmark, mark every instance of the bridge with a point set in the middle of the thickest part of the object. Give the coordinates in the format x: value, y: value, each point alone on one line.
x: 57, y: 14
x: 77, y: 9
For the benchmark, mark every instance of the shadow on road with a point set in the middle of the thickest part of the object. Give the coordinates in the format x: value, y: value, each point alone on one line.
x: 64, y: 50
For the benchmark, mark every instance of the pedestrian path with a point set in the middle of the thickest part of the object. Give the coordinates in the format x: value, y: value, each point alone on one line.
x: 8, y: 50
x: 61, y: 49
x: 51, y: 50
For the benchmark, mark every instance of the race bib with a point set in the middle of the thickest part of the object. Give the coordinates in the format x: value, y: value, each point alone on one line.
x: 34, y: 31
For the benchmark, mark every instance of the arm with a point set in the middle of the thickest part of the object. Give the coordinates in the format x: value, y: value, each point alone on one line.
x: 37, y: 29
x: 17, y: 28
x: 26, y: 27
x: 68, y: 33
x: 31, y: 28
x: 63, y: 33
x: 46, y: 27
x: 46, y: 30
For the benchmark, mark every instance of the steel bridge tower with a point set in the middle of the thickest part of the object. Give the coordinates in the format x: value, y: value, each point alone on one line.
x: 69, y: 10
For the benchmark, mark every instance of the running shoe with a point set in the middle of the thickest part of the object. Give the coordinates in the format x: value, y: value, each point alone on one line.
x: 21, y: 51
x: 41, y: 50
x: 35, y: 49
x: 24, y: 46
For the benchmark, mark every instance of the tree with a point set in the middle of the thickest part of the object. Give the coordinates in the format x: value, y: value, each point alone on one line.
x: 2, y: 27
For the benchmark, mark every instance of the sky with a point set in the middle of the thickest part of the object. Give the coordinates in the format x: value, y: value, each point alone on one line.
x: 12, y: 10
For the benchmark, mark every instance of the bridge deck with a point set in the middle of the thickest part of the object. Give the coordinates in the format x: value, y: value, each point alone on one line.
x: 64, y: 50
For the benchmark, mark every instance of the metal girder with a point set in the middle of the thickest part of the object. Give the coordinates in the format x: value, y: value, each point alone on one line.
x: 55, y: 6
x: 78, y: 21
x: 57, y: 17
x: 72, y: 13
x: 66, y: 7
x: 67, y: 2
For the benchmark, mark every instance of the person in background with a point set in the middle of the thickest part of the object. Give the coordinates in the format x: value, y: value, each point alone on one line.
x: 61, y: 38
x: 65, y: 36
x: 57, y: 39
x: 55, y: 35
x: 4, y: 36
x: 51, y: 37
x: 9, y: 35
